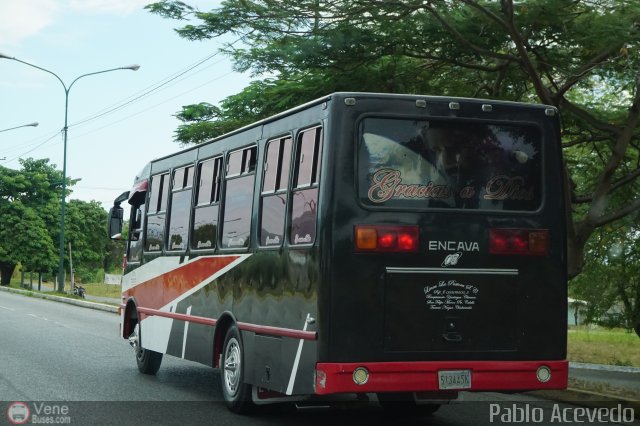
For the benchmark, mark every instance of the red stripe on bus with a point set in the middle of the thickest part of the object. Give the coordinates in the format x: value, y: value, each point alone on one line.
x: 422, y: 376
x: 260, y: 329
x: 161, y: 290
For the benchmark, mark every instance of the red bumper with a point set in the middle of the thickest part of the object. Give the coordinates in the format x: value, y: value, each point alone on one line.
x: 423, y: 376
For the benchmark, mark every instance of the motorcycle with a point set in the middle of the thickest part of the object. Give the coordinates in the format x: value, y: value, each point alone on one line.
x: 78, y: 290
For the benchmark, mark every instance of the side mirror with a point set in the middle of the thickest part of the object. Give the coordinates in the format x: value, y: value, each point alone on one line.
x: 114, y: 222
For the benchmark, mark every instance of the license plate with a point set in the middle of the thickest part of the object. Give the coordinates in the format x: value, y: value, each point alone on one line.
x: 454, y: 379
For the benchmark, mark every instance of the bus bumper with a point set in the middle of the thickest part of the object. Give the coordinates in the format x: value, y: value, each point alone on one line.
x: 426, y: 376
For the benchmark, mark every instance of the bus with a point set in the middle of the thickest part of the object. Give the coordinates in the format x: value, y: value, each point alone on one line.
x: 403, y: 246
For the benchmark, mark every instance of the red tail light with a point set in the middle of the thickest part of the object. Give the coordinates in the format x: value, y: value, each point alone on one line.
x: 383, y: 238
x: 532, y: 242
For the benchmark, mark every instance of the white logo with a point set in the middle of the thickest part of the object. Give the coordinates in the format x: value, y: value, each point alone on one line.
x: 274, y: 240
x: 451, y: 260
x: 18, y: 413
x: 301, y: 240
x: 453, y: 246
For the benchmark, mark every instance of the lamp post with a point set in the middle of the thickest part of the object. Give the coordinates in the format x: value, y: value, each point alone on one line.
x: 17, y: 127
x: 64, y: 158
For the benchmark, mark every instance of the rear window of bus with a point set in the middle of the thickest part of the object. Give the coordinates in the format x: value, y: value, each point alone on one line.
x: 450, y: 164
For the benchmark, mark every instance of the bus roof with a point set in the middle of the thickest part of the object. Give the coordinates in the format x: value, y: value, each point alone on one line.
x: 342, y: 95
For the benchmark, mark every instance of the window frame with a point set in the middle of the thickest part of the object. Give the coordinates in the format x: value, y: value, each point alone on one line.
x: 278, y: 187
x: 314, y: 179
x: 248, y: 168
x: 187, y: 185
x: 141, y: 230
x: 541, y: 180
x: 215, y: 198
x: 163, y: 190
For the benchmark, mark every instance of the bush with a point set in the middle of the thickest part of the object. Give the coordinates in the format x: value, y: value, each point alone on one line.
x: 615, y: 320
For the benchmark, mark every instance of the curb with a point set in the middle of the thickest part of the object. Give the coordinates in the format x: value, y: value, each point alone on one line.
x: 68, y: 300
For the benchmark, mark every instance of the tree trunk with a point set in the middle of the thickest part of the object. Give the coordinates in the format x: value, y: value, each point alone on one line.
x: 6, y: 271
x: 575, y: 256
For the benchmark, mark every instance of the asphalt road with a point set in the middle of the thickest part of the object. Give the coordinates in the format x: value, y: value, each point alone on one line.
x: 69, y: 362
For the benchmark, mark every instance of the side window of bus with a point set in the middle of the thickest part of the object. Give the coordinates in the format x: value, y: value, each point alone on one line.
x: 180, y: 209
x: 135, y: 233
x: 205, y: 215
x: 238, y: 200
x: 274, y: 191
x: 157, y: 212
x: 305, y: 187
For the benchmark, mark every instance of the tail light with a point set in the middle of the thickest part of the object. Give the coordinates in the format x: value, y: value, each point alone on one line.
x: 532, y: 242
x: 383, y: 238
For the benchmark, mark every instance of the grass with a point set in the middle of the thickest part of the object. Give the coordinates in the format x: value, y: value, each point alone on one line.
x: 102, y: 290
x: 94, y: 289
x: 603, y: 346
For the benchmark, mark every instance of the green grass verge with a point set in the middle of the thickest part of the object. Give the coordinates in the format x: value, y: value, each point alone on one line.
x: 603, y: 346
x: 102, y: 290
x: 95, y: 289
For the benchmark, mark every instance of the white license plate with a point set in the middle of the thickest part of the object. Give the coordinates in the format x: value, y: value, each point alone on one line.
x: 454, y: 379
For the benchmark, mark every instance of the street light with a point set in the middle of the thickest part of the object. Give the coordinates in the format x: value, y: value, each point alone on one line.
x: 24, y: 125
x: 64, y: 158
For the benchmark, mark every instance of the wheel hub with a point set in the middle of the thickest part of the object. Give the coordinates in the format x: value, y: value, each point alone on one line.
x: 232, y: 366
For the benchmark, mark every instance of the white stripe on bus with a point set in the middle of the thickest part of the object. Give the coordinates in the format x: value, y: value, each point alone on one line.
x: 186, y: 330
x: 294, y: 371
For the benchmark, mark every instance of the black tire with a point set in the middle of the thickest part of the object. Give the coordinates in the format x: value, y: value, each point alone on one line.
x: 148, y: 361
x: 404, y: 403
x: 236, y: 393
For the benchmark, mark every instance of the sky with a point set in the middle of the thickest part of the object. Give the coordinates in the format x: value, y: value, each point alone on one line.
x: 118, y: 121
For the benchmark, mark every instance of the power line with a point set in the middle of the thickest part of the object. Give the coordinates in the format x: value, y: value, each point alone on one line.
x: 33, y: 149
x: 150, y: 89
x: 162, y: 84
x: 126, y: 118
x: 151, y: 107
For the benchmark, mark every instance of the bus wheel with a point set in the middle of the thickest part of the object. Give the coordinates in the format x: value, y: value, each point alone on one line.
x: 236, y: 393
x: 148, y: 361
x: 404, y: 403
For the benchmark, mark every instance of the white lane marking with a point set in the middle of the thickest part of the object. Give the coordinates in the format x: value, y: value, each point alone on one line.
x: 186, y: 330
x: 8, y: 309
x: 38, y: 316
x: 294, y: 372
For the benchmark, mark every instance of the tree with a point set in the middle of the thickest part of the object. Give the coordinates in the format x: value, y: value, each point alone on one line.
x: 25, y: 240
x: 29, y: 210
x: 85, y: 230
x: 578, y: 55
x: 611, y: 278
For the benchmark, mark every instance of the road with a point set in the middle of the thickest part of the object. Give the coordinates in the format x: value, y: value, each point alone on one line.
x: 72, y: 359
x: 627, y: 378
